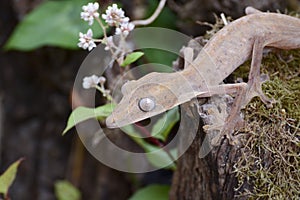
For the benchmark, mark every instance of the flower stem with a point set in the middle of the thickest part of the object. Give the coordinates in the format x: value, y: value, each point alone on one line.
x: 104, y: 93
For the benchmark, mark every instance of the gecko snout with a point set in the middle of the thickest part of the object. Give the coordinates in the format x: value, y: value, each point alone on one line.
x: 110, y: 122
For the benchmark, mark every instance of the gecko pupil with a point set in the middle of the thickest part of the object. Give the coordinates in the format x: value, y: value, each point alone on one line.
x: 146, y: 104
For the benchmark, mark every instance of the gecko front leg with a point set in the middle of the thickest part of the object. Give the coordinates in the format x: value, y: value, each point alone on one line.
x: 244, y: 93
x: 233, y: 120
x: 255, y: 79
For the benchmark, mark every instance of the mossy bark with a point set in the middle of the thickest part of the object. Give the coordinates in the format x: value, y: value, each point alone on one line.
x: 265, y: 164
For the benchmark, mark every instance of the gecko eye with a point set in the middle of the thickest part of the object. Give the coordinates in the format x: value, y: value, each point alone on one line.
x: 146, y: 104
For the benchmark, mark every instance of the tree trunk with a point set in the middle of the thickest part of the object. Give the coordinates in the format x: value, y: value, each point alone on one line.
x: 205, y: 177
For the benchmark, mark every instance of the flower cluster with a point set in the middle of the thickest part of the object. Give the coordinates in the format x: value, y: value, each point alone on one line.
x: 116, y: 17
x: 90, y: 12
x: 125, y: 28
x: 113, y: 16
x: 86, y: 40
x: 109, y: 43
x: 91, y: 81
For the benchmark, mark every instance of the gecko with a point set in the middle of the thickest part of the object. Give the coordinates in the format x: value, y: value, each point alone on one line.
x: 237, y: 42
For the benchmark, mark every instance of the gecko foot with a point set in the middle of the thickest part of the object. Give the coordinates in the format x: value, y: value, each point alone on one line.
x: 255, y: 89
x: 229, y: 128
x: 266, y: 100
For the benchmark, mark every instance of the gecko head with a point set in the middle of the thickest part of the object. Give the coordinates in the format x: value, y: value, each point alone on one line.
x: 142, y: 99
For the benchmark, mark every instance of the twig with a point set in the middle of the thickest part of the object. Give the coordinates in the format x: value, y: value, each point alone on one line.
x: 224, y: 19
x: 158, y: 10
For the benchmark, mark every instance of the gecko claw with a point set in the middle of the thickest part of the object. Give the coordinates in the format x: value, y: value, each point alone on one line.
x: 267, y: 101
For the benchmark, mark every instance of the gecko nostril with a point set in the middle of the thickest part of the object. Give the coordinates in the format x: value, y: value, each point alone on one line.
x: 146, y: 104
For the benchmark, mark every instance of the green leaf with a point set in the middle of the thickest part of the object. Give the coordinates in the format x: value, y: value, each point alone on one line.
x: 157, y: 156
x: 164, y: 125
x: 160, y: 56
x: 81, y: 114
x: 157, y: 192
x: 64, y: 190
x: 132, y: 57
x: 54, y: 23
x: 7, y: 178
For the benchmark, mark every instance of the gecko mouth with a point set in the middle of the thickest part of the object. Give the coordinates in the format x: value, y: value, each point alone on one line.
x: 111, y: 123
x: 144, y: 122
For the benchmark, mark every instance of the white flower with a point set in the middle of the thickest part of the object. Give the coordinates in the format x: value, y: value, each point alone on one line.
x: 90, y: 81
x: 125, y: 20
x: 86, y: 40
x: 124, y: 28
x: 109, y: 43
x: 102, y: 80
x: 114, y: 15
x: 90, y: 12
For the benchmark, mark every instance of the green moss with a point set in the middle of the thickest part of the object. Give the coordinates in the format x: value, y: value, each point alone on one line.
x: 269, y: 167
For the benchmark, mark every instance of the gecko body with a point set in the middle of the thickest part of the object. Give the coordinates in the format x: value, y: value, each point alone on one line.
x: 238, y: 41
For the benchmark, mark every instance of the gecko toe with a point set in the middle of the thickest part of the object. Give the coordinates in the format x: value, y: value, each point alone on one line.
x: 267, y: 101
x: 255, y: 89
x: 264, y: 78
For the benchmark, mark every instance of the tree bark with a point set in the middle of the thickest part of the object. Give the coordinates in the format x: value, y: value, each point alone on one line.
x: 205, y: 177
